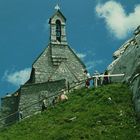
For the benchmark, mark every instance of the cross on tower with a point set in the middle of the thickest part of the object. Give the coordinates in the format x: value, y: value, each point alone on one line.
x: 57, y: 7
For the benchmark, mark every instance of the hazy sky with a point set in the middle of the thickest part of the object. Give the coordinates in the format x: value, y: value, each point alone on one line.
x: 95, y: 29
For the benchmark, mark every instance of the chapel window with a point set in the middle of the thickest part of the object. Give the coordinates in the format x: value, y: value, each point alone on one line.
x: 58, y: 30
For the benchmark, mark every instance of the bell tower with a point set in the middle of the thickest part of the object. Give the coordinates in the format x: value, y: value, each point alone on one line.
x: 58, y: 28
x: 58, y: 61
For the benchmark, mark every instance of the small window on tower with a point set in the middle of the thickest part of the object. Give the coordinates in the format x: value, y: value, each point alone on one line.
x: 58, y: 30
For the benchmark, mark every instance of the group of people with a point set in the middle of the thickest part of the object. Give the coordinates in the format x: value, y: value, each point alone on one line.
x: 60, y: 98
x: 98, y: 79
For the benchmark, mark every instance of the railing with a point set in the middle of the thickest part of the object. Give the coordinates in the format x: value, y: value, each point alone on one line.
x: 2, y: 120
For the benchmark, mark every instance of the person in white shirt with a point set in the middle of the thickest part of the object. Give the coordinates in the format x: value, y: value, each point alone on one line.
x: 96, y: 79
x: 44, y: 105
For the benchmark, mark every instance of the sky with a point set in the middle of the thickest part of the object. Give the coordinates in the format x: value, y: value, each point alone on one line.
x: 95, y: 29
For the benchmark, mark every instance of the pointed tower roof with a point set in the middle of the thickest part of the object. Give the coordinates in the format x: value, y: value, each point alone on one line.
x: 58, y: 13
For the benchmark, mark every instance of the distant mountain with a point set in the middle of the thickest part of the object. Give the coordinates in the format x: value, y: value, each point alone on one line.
x: 89, y: 114
x: 127, y: 61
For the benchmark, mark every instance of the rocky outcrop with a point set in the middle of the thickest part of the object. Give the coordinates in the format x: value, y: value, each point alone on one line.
x: 127, y: 61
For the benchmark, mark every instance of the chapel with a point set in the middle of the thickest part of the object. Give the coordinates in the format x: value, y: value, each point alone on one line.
x: 56, y: 68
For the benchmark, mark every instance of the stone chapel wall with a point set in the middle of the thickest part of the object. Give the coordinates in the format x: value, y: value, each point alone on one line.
x: 31, y: 94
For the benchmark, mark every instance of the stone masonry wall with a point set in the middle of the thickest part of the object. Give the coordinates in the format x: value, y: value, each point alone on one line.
x: 72, y: 71
x: 43, y: 67
x: 9, y: 109
x: 31, y: 95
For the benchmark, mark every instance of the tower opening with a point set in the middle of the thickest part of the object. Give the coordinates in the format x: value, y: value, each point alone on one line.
x: 58, y: 30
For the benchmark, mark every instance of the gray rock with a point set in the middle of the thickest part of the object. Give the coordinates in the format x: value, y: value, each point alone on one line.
x: 127, y: 61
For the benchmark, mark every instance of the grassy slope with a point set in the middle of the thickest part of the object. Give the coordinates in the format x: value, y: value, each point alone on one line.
x: 97, y: 118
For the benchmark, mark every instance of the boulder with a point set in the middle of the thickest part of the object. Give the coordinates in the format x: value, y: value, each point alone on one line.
x: 127, y: 61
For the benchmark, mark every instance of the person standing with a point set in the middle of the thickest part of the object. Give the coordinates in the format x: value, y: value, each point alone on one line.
x: 96, y: 79
x: 106, y: 78
x: 20, y: 113
x: 101, y: 79
x: 87, y: 79
x: 54, y: 101
x: 44, y: 104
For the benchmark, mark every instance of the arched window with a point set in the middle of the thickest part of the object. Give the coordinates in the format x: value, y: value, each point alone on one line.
x: 58, y: 30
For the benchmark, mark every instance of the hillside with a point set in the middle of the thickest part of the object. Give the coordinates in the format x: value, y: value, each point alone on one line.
x: 102, y: 113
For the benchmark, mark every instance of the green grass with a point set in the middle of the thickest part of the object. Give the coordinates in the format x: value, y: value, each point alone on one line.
x: 96, y: 118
